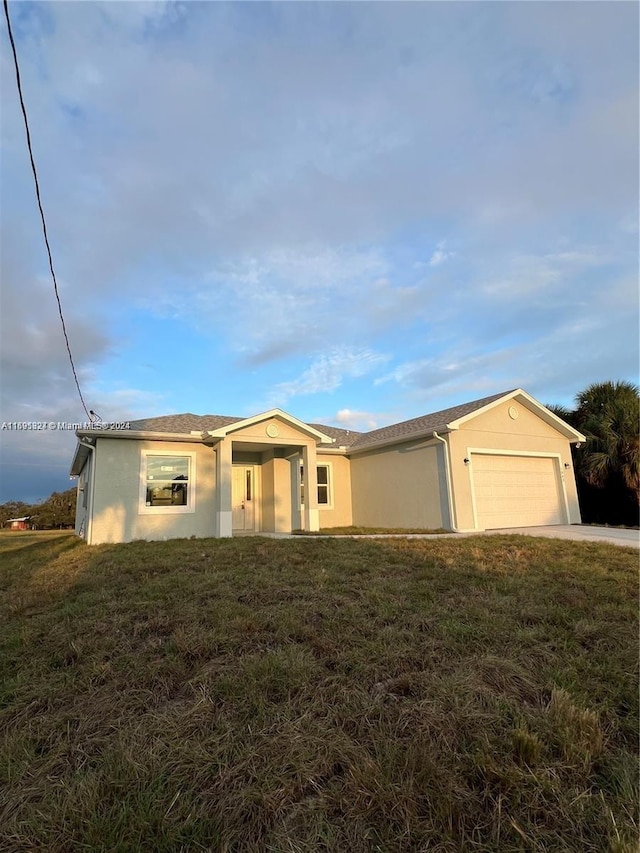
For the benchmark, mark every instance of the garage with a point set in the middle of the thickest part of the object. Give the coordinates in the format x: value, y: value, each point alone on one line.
x: 517, y: 490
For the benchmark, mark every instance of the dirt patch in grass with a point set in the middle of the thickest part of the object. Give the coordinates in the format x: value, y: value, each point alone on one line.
x: 254, y: 695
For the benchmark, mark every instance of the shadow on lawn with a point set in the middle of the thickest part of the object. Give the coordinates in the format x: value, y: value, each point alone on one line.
x: 43, y: 546
x: 46, y: 564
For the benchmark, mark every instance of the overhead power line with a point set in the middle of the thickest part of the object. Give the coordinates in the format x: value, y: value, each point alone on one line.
x: 44, y: 222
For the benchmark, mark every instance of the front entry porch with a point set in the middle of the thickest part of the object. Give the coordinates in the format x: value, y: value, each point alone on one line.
x: 258, y: 477
x: 258, y: 488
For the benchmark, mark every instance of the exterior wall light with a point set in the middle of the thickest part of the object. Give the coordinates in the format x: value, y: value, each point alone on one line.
x: 466, y: 460
x: 566, y: 465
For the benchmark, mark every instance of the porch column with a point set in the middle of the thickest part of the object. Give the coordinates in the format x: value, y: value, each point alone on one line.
x: 224, y: 521
x: 311, y: 519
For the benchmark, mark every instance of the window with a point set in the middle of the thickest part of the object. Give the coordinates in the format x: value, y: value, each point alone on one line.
x: 167, y: 482
x: 323, y: 485
x: 323, y: 474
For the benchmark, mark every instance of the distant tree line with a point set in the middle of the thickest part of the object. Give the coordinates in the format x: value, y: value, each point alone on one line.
x: 58, y: 510
x: 607, y: 465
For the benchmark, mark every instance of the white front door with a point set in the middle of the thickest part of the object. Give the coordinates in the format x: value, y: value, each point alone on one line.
x: 243, y: 497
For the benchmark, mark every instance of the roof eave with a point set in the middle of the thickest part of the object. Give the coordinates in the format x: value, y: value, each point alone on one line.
x: 148, y: 435
x: 420, y: 435
x: 79, y: 459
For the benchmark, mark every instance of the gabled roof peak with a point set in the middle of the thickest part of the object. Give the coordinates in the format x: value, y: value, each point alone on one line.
x: 424, y: 423
x: 271, y: 414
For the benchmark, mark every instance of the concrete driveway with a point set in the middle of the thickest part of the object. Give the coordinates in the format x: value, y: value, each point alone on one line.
x: 581, y: 533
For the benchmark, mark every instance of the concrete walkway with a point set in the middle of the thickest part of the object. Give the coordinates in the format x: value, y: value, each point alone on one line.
x: 576, y: 532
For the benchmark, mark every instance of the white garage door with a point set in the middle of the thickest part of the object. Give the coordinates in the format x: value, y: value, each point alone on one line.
x: 516, y: 491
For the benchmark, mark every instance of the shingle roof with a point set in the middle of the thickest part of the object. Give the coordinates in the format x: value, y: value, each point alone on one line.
x: 343, y: 437
x: 351, y: 439
x: 183, y: 423
x: 422, y: 424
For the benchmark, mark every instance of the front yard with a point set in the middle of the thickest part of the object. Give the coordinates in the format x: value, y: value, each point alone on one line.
x: 309, y: 695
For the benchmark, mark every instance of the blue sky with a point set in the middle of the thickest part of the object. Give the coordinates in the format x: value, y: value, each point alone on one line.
x: 357, y: 212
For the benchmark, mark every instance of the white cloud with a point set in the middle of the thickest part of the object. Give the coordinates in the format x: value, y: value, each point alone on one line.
x: 122, y: 404
x: 629, y: 224
x: 303, y: 268
x: 568, y: 347
x: 432, y: 373
x: 522, y: 276
x: 327, y: 372
x: 356, y: 420
x: 440, y: 255
x: 284, y: 301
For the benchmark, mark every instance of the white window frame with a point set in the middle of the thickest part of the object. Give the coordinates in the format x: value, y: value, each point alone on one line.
x: 190, y: 506
x: 329, y: 484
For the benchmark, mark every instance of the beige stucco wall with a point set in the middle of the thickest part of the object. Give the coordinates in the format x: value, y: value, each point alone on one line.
x: 400, y: 486
x: 116, y: 515
x: 267, y: 520
x: 275, y: 493
x: 280, y: 497
x: 496, y: 430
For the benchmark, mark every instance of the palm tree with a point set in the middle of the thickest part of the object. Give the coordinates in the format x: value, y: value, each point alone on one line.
x: 608, y: 413
x: 566, y: 415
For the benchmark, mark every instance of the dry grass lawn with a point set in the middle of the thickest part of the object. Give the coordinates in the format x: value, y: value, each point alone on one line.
x: 367, y: 531
x: 313, y: 695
